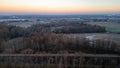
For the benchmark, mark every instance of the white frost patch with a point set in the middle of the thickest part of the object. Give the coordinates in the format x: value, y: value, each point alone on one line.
x: 91, y: 37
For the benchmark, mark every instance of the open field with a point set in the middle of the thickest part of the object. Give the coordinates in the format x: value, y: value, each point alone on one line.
x: 110, y: 27
x: 105, y: 36
x: 113, y: 29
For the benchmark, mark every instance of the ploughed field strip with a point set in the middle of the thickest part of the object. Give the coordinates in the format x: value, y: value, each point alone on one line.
x: 59, y: 61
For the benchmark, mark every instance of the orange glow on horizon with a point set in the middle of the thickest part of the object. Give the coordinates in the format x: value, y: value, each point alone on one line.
x: 50, y: 7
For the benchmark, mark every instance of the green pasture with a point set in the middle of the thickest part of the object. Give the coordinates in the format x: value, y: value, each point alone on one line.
x: 113, y: 29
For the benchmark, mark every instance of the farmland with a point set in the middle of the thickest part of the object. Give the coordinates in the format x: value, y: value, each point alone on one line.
x: 59, y: 43
x: 110, y: 27
x: 105, y: 36
x: 113, y: 29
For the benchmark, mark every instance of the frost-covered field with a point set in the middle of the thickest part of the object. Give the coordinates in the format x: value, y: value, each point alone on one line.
x: 105, y: 36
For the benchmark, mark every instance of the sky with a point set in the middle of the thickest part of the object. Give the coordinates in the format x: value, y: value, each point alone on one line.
x: 59, y: 6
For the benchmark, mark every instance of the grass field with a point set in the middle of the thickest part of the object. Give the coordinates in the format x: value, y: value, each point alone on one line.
x: 110, y: 27
x: 113, y: 29
x: 107, y: 36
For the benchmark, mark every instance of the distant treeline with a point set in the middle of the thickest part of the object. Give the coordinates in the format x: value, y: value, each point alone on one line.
x: 84, y: 28
x: 64, y: 26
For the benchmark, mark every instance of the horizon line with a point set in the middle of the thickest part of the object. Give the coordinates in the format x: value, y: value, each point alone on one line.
x: 117, y: 13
